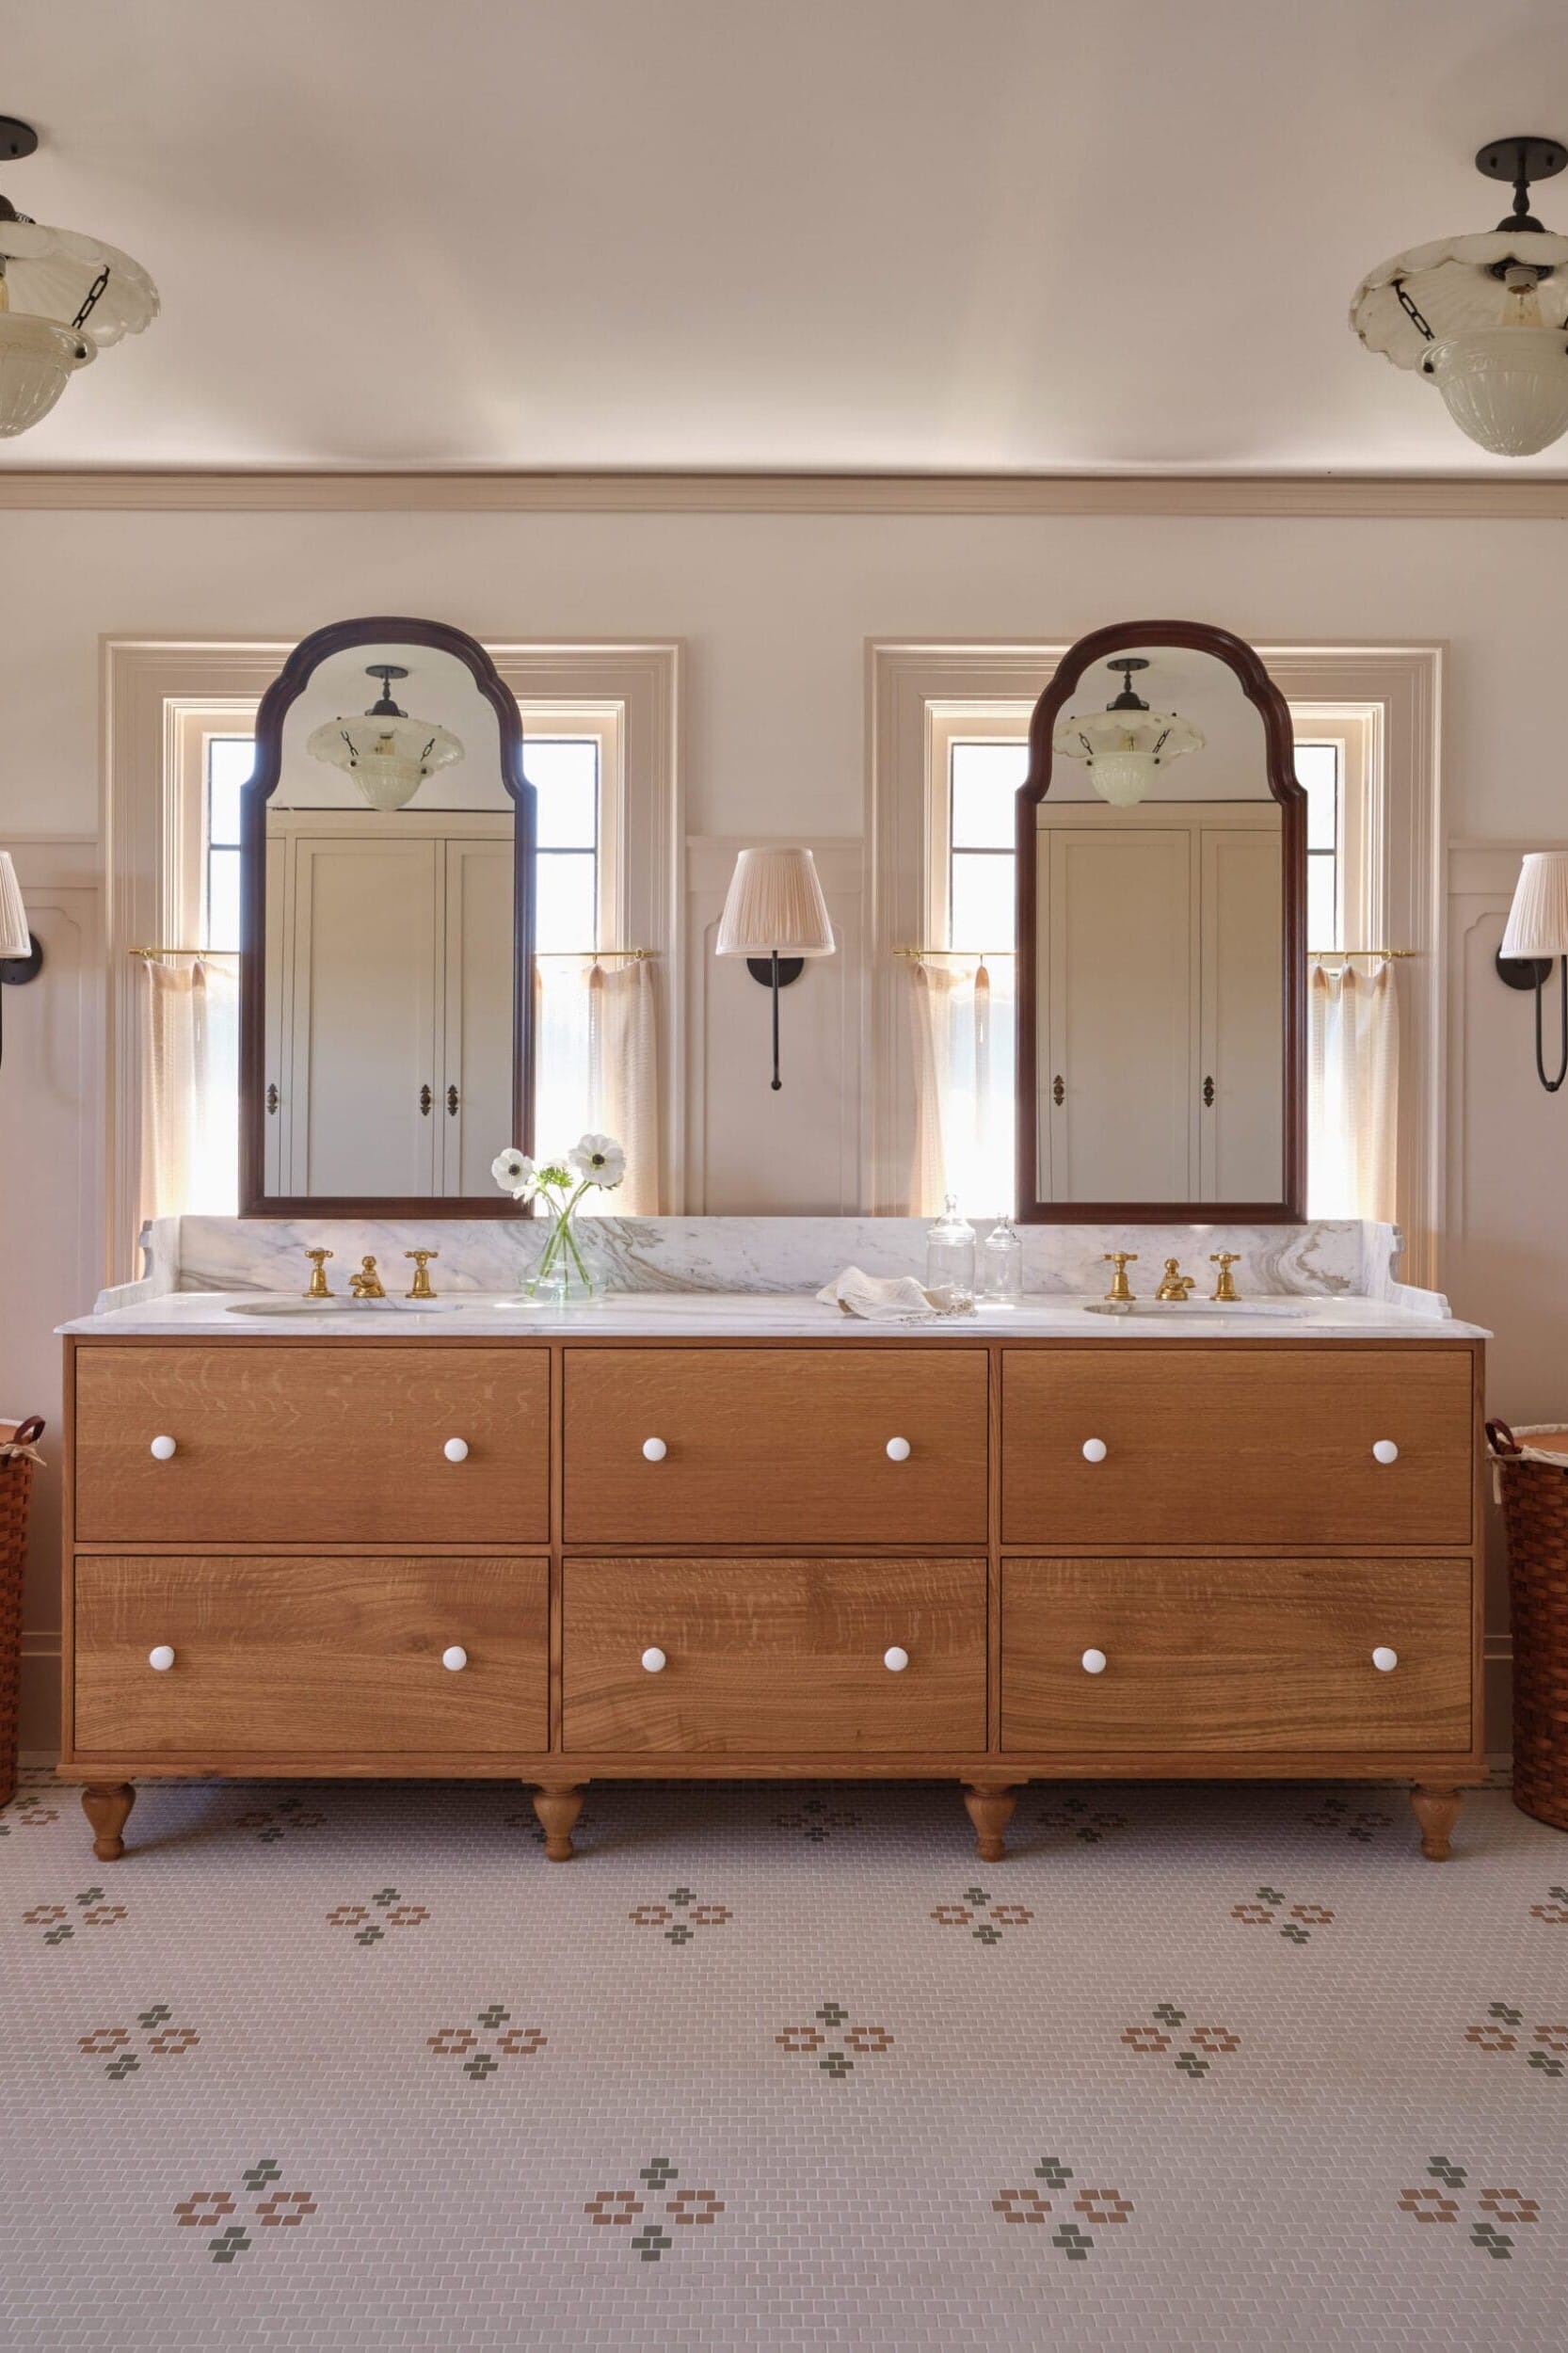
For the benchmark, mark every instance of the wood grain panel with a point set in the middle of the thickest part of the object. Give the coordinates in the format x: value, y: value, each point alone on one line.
x: 775, y: 1446
x: 773, y: 1654
x: 1256, y: 1656
x: 1235, y: 1446
x: 309, y: 1656
x: 295, y: 1443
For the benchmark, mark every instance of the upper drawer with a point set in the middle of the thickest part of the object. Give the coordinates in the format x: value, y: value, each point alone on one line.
x: 775, y: 1446
x: 1237, y: 1446
x: 302, y: 1444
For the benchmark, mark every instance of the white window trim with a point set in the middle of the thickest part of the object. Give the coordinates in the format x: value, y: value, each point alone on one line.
x: 1392, y: 694
x: 159, y: 697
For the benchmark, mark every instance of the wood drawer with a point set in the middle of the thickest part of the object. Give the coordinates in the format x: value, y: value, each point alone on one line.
x: 313, y: 1445
x: 1235, y: 1657
x: 783, y: 1656
x: 314, y: 1657
x: 778, y: 1447
x: 1237, y: 1446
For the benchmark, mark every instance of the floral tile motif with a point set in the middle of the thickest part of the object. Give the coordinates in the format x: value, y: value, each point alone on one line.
x: 57, y: 1924
x: 835, y: 2046
x: 1362, y: 1823
x: 681, y: 1915
x: 1268, y: 1904
x: 987, y: 1922
x: 817, y: 1819
x: 272, y: 1822
x: 619, y: 2209
x: 1504, y: 2034
x: 367, y: 1928
x: 1491, y: 2216
x: 484, y: 2046
x: 28, y: 1810
x: 1555, y: 1910
x: 158, y: 2038
x: 1102, y: 2209
x: 271, y: 2208
x: 1197, y: 2050
x: 1088, y: 1822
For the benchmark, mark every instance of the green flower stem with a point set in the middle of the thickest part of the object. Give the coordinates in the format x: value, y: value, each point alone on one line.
x: 561, y: 1235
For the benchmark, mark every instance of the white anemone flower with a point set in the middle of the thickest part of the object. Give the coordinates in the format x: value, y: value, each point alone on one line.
x: 515, y: 1173
x: 597, y: 1159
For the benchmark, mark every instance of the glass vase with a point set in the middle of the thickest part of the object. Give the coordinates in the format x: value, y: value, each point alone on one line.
x: 570, y: 1272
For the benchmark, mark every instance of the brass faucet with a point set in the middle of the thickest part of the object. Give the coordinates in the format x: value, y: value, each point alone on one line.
x: 1120, y: 1259
x: 367, y: 1283
x: 1175, y: 1285
x: 422, y: 1258
x: 318, y: 1288
x: 1224, y: 1259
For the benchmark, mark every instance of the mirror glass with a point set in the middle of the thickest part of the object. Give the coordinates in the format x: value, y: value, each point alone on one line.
x: 1161, y: 1069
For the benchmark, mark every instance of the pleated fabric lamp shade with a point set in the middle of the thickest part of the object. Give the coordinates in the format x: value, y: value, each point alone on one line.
x: 775, y: 906
x: 1538, y: 919
x: 14, y: 938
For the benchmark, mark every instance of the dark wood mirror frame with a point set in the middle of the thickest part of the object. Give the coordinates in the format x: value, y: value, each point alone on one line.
x: 337, y: 637
x: 1280, y: 768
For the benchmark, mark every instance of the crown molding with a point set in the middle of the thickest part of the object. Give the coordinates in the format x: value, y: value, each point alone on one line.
x: 1459, y: 497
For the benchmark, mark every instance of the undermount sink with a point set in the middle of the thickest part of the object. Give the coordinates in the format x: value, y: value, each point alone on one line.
x: 281, y: 1304
x: 1210, y: 1310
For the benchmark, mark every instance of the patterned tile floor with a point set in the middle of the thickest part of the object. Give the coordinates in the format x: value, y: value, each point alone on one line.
x: 342, y: 2067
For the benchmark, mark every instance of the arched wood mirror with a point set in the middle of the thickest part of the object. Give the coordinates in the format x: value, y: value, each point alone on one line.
x: 387, y: 860
x: 1161, y: 942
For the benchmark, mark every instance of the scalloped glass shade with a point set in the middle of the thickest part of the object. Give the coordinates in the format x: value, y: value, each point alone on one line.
x: 1123, y: 778
x: 1124, y: 750
x: 1505, y: 387
x: 38, y: 360
x: 388, y: 759
x: 1538, y: 919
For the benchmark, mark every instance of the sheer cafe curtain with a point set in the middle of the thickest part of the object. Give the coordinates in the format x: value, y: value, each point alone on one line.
x: 1353, y: 1089
x: 597, y: 1071
x: 962, y: 1016
x: 190, y: 1040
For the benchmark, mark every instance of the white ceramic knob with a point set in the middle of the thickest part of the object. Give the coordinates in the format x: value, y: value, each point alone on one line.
x: 1384, y: 1659
x: 1386, y: 1451
x: 162, y: 1449
x: 455, y: 1449
x: 161, y: 1658
x: 654, y: 1450
x: 1094, y: 1449
x: 898, y: 1449
x: 654, y: 1661
x: 1094, y: 1662
x: 895, y: 1660
x: 456, y: 1658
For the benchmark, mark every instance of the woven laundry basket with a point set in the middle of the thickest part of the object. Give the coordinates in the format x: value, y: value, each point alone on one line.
x: 1529, y: 1475
x: 18, y: 1442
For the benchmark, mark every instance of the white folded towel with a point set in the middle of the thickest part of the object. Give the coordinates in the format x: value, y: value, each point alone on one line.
x: 891, y: 1298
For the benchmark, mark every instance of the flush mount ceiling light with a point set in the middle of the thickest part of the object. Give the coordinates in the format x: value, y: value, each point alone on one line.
x: 1126, y: 744
x: 63, y: 297
x: 388, y: 754
x: 1483, y: 317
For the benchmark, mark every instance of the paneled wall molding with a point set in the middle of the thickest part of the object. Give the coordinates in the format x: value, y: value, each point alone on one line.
x: 1437, y: 498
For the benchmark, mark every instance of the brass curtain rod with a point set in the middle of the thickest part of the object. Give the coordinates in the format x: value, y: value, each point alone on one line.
x: 151, y: 955
x: 993, y: 956
x: 585, y: 956
x: 1400, y: 954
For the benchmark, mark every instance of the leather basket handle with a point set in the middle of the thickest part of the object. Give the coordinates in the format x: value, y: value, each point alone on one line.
x: 1500, y: 1439
x: 28, y: 1433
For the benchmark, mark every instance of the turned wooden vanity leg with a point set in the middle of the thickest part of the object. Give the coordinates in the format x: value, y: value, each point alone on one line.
x: 558, y: 1810
x: 1437, y: 1811
x: 990, y: 1811
x: 107, y: 1806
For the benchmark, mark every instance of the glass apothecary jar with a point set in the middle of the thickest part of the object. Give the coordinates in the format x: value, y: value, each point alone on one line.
x: 1000, y: 1280
x: 950, y: 1257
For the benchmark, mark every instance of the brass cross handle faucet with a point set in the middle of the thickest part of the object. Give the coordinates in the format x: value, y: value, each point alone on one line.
x: 1224, y: 1261
x: 318, y: 1273
x: 367, y: 1283
x: 1121, y: 1260
x: 422, y: 1258
x: 1175, y: 1285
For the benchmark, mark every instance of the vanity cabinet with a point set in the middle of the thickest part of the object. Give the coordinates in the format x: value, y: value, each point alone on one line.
x: 582, y: 1558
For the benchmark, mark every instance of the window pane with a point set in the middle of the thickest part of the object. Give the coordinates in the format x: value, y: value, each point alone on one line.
x: 223, y: 899
x: 984, y: 779
x: 1318, y: 769
x: 982, y: 915
x: 565, y: 774
x: 230, y: 761
x: 1323, y: 917
x: 568, y: 899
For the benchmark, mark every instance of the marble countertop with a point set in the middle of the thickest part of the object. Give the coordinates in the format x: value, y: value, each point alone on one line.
x: 763, y: 1315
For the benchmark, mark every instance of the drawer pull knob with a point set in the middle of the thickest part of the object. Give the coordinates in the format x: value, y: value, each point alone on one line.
x: 1384, y: 1659
x: 895, y: 1660
x: 655, y: 1661
x: 1094, y: 1662
x: 1386, y: 1451
x: 898, y: 1449
x: 455, y: 1449
x: 162, y: 1449
x: 160, y: 1658
x: 1094, y: 1449
x: 455, y: 1658
x: 654, y: 1450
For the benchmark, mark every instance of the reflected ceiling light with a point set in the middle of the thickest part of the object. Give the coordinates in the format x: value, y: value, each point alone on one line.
x: 388, y: 754
x: 1126, y: 744
x: 1483, y: 317
x: 63, y: 297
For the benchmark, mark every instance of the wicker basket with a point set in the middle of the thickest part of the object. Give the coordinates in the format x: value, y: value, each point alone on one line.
x: 1530, y: 1475
x: 16, y: 1489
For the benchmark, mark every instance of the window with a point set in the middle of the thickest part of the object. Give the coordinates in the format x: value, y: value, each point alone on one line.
x: 228, y: 762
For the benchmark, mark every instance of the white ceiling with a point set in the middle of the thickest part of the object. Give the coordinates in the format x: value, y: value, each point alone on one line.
x: 1043, y: 234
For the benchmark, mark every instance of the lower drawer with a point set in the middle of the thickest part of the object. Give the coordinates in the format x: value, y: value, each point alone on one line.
x: 746, y: 1658
x: 1236, y: 1656
x: 318, y: 1657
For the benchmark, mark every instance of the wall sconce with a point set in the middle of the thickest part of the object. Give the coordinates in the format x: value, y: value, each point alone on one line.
x: 1536, y: 937
x: 20, y: 955
x: 775, y: 915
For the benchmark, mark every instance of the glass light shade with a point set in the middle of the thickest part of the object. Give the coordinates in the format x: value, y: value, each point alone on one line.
x: 14, y: 938
x: 1124, y: 778
x: 49, y: 275
x: 1496, y: 351
x: 774, y: 903
x: 1538, y: 919
x: 388, y: 759
x: 1505, y: 387
x: 38, y: 360
x: 1124, y: 750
